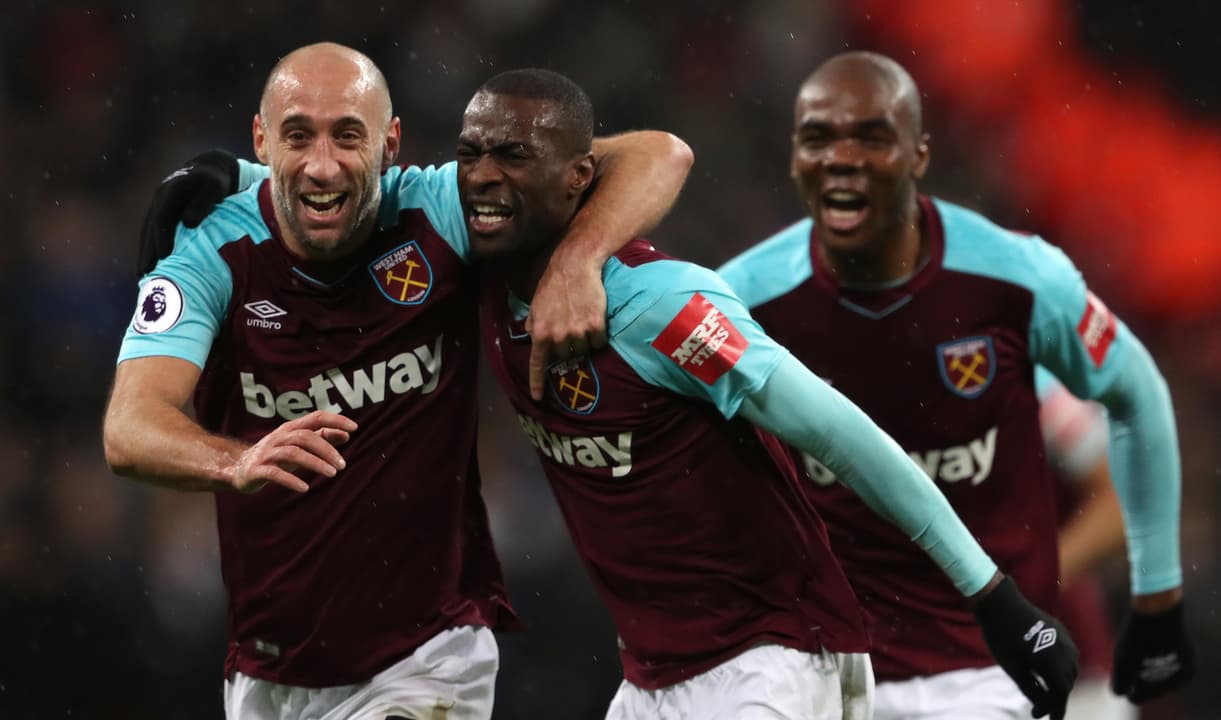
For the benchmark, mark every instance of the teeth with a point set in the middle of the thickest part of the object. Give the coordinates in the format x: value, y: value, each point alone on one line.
x: 490, y: 219
x: 490, y: 209
x: 842, y: 195
x: 321, y: 198
x: 842, y: 215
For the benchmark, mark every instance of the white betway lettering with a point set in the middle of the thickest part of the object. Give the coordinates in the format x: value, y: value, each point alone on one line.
x: 591, y: 452
x: 419, y: 369
x: 703, y: 342
x: 953, y: 464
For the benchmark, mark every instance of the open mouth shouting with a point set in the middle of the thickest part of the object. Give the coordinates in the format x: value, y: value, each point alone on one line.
x: 323, y: 205
x: 486, y: 218
x: 843, y: 210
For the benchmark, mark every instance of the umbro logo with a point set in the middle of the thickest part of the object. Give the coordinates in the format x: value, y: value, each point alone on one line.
x: 1043, y: 636
x: 1160, y: 668
x: 264, y: 311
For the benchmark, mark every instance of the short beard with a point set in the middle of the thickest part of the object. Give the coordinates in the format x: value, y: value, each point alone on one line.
x: 320, y: 250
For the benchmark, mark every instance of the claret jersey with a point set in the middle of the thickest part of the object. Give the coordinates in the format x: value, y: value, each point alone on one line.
x: 693, y: 528
x: 943, y: 362
x: 331, y: 586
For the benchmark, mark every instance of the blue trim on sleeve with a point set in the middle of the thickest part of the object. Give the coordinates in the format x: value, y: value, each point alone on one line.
x: 772, y: 268
x: 643, y: 300
x: 433, y: 190
x: 204, y: 279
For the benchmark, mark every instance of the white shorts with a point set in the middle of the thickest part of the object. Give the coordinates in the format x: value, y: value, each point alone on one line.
x: 970, y: 694
x: 769, y: 682
x: 453, y: 676
x: 1092, y: 698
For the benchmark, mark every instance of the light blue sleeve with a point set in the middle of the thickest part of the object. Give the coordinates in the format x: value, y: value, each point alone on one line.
x: 1097, y: 357
x: 431, y: 189
x: 804, y: 411
x: 681, y: 328
x: 772, y: 268
x: 249, y: 173
x: 1075, y: 329
x: 184, y: 299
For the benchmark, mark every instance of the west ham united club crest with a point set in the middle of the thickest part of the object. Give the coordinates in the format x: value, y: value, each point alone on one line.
x: 404, y: 274
x: 967, y: 365
x: 574, y: 385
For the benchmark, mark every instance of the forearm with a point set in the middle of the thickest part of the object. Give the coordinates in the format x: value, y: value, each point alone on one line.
x: 1145, y: 470
x: 807, y: 413
x: 1095, y: 531
x: 157, y: 443
x: 639, y: 176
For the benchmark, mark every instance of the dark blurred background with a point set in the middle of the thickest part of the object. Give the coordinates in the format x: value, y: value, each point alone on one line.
x: 1094, y: 123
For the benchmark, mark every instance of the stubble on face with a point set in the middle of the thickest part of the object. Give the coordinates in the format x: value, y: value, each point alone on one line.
x: 326, y: 197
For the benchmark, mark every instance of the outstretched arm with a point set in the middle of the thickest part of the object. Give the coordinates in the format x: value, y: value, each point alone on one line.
x: 1030, y: 645
x: 148, y: 436
x: 805, y: 412
x: 639, y: 176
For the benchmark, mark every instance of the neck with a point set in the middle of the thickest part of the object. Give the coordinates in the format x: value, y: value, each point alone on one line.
x: 894, y: 256
x: 523, y: 272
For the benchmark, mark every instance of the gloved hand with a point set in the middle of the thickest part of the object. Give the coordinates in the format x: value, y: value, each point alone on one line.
x: 1153, y: 655
x: 1030, y: 645
x: 187, y: 195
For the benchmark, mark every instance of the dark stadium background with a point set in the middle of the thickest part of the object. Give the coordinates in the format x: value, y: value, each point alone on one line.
x: 1095, y: 123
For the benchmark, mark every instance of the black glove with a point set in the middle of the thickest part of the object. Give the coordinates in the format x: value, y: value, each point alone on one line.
x: 1030, y: 645
x: 1152, y: 655
x: 186, y: 196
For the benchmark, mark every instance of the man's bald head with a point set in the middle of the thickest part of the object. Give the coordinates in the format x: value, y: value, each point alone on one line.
x: 326, y: 130
x: 883, y: 75
x: 303, y: 65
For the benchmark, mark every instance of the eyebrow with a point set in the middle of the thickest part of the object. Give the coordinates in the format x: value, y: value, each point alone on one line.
x: 862, y: 125
x: 498, y: 147
x: 303, y: 119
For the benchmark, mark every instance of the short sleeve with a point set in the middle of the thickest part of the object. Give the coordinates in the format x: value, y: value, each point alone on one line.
x: 181, y: 302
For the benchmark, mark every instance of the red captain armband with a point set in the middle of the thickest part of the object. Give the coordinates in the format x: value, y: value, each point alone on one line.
x: 701, y: 340
x: 1096, y: 329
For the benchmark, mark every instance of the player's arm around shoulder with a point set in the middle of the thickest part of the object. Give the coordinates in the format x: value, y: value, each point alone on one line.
x: 637, y: 177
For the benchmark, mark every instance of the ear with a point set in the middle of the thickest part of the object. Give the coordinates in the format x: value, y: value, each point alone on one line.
x: 394, y: 138
x: 581, y: 175
x: 260, y: 139
x: 922, y: 157
x: 793, y: 159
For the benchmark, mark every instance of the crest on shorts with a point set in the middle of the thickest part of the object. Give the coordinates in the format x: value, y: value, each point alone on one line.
x: 574, y: 385
x: 404, y: 274
x: 967, y: 365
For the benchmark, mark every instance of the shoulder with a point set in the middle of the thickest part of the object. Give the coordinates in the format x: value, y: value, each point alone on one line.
x: 640, y: 268
x: 638, y: 276
x: 773, y: 267
x: 416, y: 185
x: 236, y: 218
x: 974, y: 244
x: 431, y: 190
